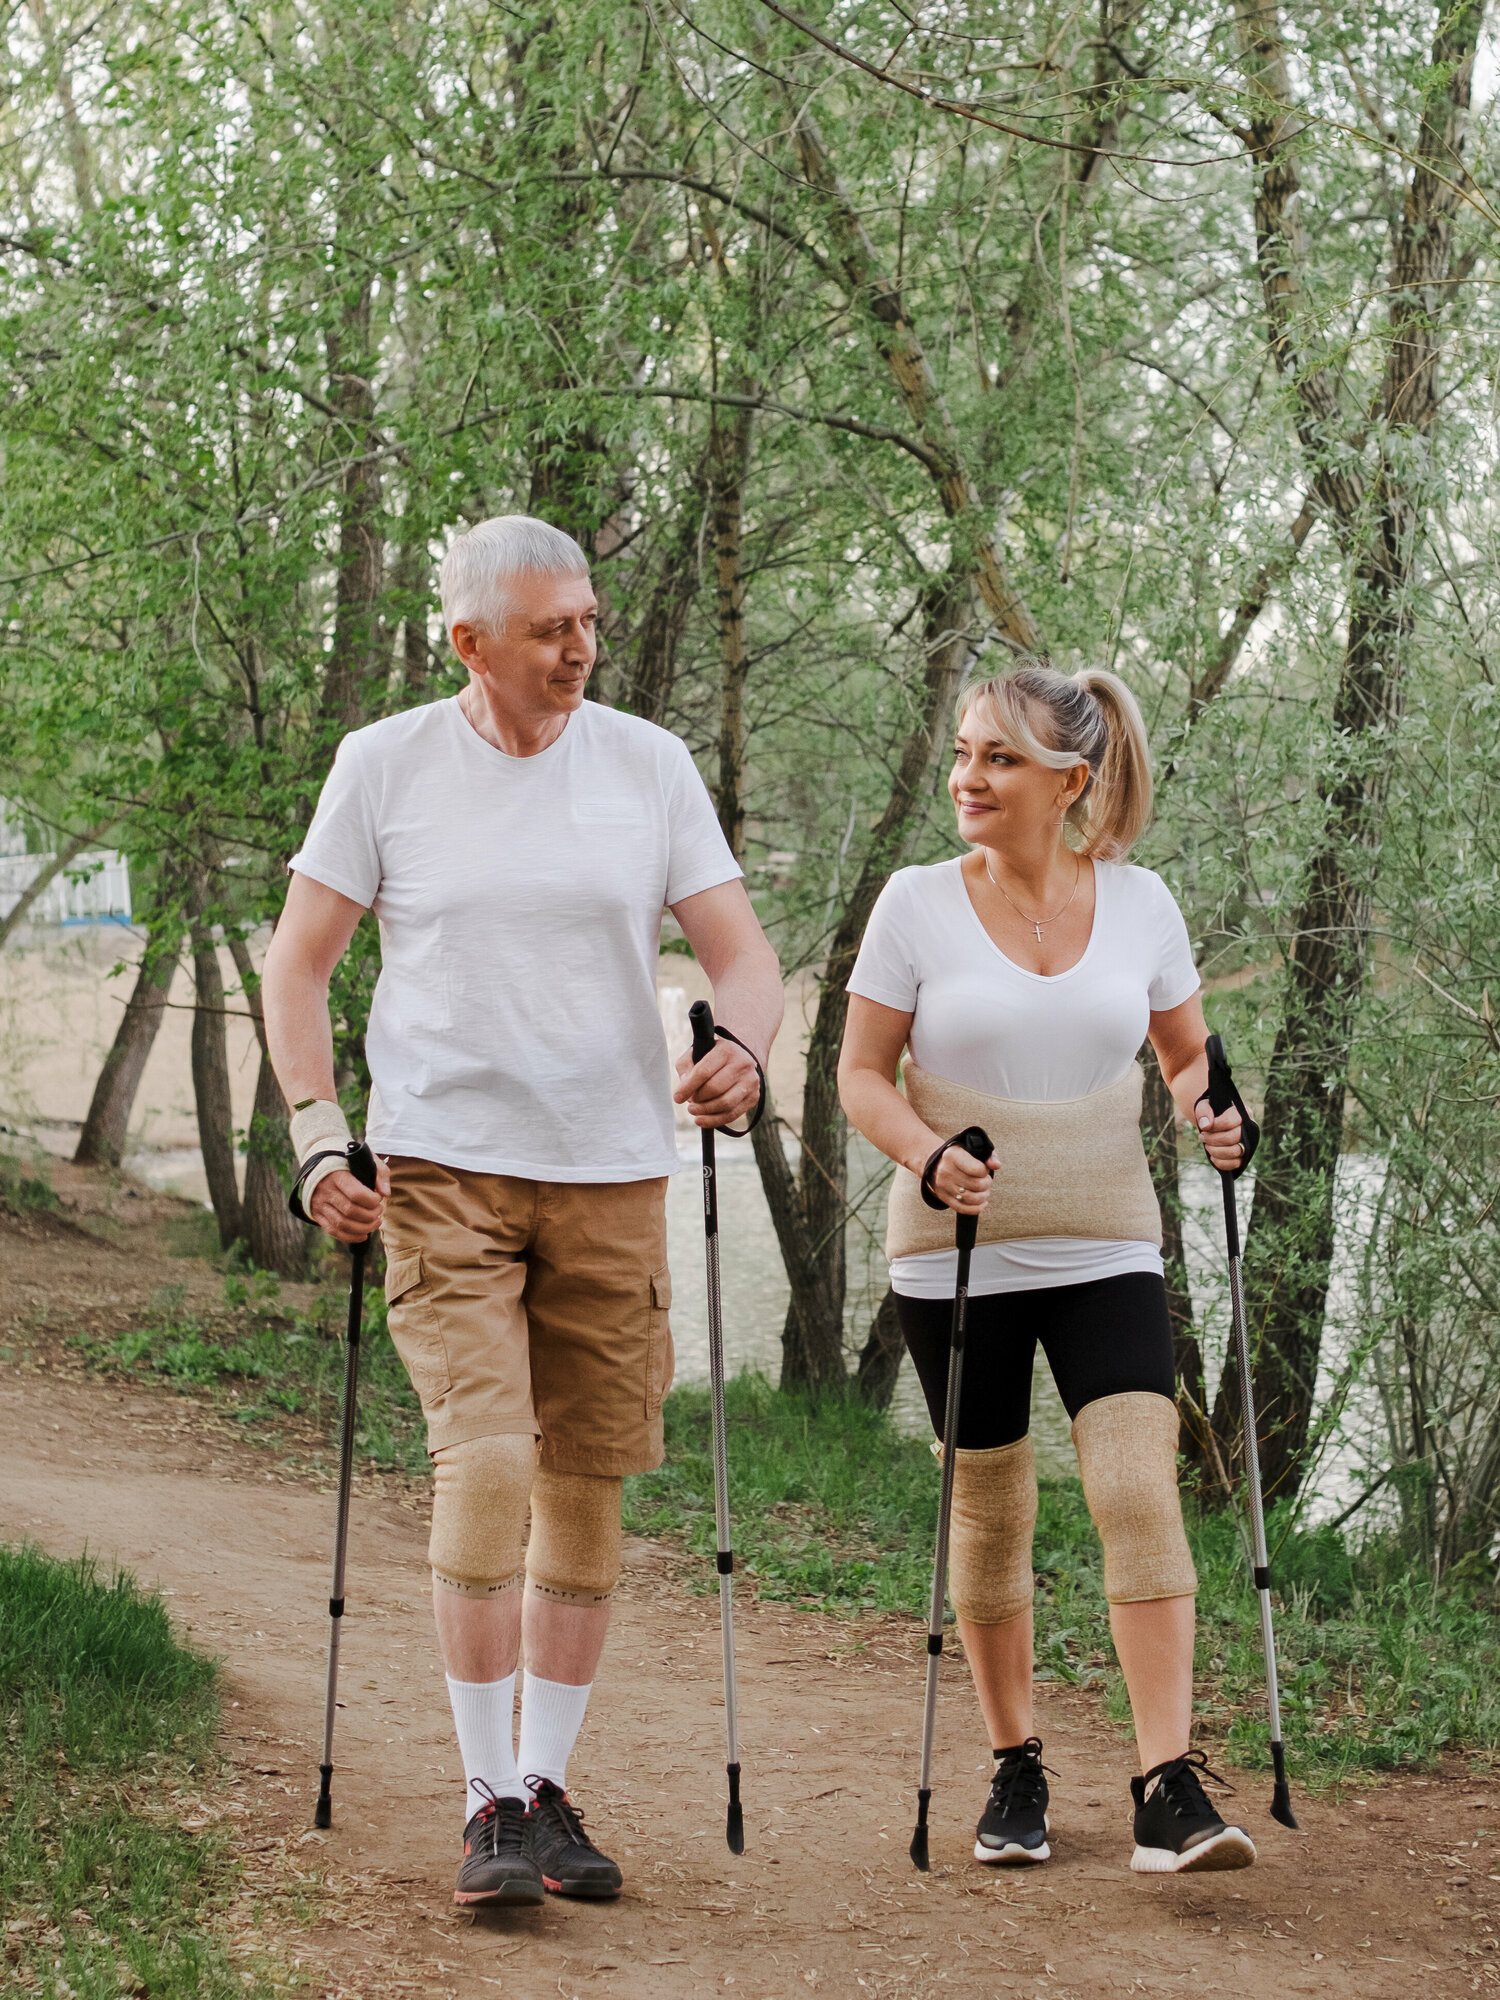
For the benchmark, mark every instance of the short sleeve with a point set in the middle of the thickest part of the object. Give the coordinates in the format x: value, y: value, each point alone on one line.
x: 341, y: 850
x: 698, y: 855
x: 1176, y: 976
x: 886, y: 969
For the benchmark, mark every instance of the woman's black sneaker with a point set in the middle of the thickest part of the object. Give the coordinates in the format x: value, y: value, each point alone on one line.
x: 498, y: 1865
x: 1013, y: 1830
x: 1177, y: 1831
x: 571, y: 1865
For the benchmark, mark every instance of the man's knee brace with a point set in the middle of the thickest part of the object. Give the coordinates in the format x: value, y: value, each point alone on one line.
x: 994, y: 1517
x: 479, y: 1513
x: 1127, y: 1454
x: 574, y: 1555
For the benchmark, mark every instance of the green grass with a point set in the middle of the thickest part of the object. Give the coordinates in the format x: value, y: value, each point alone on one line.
x: 22, y: 1191
x: 107, y: 1720
x: 265, y: 1364
x: 835, y: 1511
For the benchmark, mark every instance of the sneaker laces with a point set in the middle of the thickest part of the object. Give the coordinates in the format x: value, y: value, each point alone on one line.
x: 1018, y: 1781
x: 553, y: 1800
x: 497, y: 1833
x: 1181, y: 1783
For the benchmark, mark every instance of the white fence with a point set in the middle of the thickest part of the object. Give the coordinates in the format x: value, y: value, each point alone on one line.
x: 92, y: 889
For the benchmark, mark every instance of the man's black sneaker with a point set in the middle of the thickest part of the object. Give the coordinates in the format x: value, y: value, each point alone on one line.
x: 571, y: 1865
x: 498, y: 1865
x: 1013, y: 1830
x: 1177, y: 1831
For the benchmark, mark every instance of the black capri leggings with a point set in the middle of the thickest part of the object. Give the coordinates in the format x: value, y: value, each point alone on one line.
x: 1105, y: 1338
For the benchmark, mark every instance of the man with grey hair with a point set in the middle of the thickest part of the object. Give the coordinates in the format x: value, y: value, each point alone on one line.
x: 518, y: 845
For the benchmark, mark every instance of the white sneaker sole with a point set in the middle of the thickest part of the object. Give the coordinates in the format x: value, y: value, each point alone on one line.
x: 1013, y: 1855
x: 1233, y: 1848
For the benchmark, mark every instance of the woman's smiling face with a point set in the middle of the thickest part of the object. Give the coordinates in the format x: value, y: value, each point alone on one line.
x: 1002, y: 796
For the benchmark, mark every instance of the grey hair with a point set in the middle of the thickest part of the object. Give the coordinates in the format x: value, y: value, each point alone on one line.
x: 1087, y: 718
x: 480, y: 564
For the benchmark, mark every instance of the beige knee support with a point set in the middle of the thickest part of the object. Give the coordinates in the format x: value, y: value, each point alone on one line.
x: 1127, y: 1454
x: 479, y: 1513
x: 574, y: 1555
x: 989, y: 1548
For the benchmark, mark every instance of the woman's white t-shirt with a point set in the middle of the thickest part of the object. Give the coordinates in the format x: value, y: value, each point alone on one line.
x: 515, y: 1027
x: 980, y: 1019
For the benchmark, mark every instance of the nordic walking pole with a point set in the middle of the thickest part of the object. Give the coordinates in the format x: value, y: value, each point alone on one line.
x: 1221, y: 1094
x: 705, y: 1034
x: 362, y: 1165
x: 975, y: 1141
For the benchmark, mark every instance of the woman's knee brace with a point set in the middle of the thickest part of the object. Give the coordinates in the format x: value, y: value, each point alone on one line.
x: 481, y: 1491
x: 994, y: 1518
x: 1127, y: 1455
x: 574, y: 1555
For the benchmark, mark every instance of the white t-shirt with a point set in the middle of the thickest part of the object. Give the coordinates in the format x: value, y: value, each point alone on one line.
x: 515, y: 1028
x: 980, y: 1019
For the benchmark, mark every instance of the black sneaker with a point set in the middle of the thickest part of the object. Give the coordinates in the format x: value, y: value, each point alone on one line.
x: 1177, y: 1831
x: 571, y: 1865
x: 1013, y: 1830
x: 498, y: 1865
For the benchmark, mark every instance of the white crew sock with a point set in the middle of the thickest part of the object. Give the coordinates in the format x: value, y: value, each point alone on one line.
x: 484, y: 1716
x: 551, y: 1717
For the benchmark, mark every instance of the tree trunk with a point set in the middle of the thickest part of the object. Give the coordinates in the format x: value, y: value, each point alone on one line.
x: 880, y: 1357
x: 210, y: 1052
x: 101, y: 1143
x: 1289, y: 1248
x: 731, y: 466
x: 276, y: 1240
x: 38, y: 886
x: 648, y: 691
x: 355, y: 679
x: 1159, y: 1134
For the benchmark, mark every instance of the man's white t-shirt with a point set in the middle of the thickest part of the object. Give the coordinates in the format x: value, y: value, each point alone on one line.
x: 515, y: 1028
x: 980, y: 1019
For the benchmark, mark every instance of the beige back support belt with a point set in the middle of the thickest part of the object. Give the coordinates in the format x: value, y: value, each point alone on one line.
x: 1074, y: 1167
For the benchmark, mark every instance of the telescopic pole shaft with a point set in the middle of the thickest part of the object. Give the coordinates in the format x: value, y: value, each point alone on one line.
x: 362, y: 1166
x: 703, y: 1042
x: 1281, y: 1807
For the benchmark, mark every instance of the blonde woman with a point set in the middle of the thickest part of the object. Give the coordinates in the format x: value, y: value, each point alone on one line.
x: 1020, y: 980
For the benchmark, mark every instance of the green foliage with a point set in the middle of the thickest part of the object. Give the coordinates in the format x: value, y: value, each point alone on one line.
x: 107, y: 1718
x: 23, y: 1192
x: 264, y: 1363
x: 1382, y: 1666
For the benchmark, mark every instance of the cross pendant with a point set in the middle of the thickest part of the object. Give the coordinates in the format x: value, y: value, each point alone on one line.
x: 1038, y: 929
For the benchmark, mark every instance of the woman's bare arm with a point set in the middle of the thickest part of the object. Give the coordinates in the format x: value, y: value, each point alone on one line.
x: 1178, y: 1036
x: 874, y: 1037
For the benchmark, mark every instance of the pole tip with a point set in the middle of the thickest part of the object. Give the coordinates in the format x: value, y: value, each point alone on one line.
x: 734, y: 1830
x: 1281, y: 1806
x: 919, y: 1849
x: 323, y: 1813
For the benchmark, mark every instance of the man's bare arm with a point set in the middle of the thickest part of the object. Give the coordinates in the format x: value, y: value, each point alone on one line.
x: 310, y: 939
x: 730, y: 945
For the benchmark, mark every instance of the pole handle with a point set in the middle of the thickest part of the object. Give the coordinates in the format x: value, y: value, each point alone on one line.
x: 701, y: 1021
x: 1221, y: 1094
x: 974, y: 1141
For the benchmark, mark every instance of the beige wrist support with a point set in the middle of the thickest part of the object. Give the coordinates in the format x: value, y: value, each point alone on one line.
x: 994, y: 1517
x: 1127, y: 1456
x: 321, y: 1128
x: 1075, y: 1167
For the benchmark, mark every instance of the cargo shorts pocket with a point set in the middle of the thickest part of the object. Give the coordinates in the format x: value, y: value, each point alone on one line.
x: 414, y: 1325
x: 659, y: 1358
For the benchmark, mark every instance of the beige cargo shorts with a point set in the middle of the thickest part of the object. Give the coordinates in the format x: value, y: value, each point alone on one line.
x: 533, y: 1306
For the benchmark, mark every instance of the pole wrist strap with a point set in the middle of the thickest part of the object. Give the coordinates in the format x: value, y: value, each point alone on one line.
x: 929, y: 1194
x: 308, y: 1171
x: 728, y: 1131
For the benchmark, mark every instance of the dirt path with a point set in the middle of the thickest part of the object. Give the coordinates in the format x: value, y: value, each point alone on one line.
x: 1381, y: 1896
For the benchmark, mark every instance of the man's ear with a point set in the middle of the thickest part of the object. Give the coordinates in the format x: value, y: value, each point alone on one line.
x: 465, y: 641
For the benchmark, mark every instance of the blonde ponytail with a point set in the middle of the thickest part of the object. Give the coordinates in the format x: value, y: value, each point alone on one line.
x: 1088, y: 718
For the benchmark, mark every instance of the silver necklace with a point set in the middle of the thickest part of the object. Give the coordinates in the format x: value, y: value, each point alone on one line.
x: 1035, y: 922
